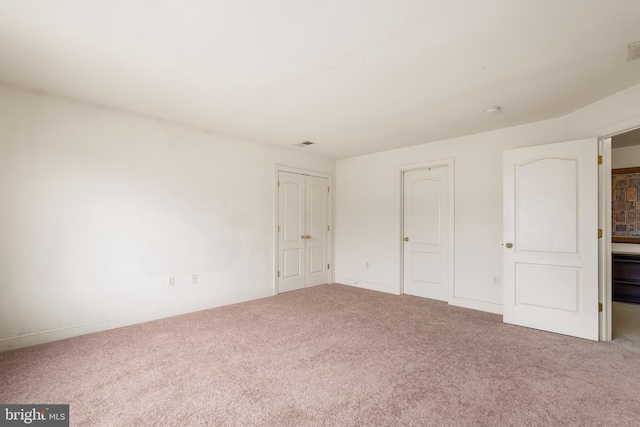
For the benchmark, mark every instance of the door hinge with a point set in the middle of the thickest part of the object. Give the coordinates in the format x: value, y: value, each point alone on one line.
x: 328, y: 228
x: 278, y: 273
x: 328, y: 189
x: 328, y: 266
x: 278, y: 229
x: 599, y: 233
x: 278, y: 184
x: 599, y: 160
x: 599, y: 307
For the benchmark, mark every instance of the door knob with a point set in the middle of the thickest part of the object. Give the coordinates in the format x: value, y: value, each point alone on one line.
x: 406, y: 239
x: 308, y: 237
x: 303, y: 237
x: 509, y: 245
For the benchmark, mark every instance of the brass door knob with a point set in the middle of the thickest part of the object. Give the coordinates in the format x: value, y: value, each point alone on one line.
x: 406, y: 239
x: 303, y: 237
x: 509, y: 245
x: 308, y: 237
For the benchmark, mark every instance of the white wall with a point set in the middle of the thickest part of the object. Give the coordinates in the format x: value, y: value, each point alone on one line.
x: 625, y: 157
x: 367, y: 195
x: 367, y: 212
x: 99, y: 207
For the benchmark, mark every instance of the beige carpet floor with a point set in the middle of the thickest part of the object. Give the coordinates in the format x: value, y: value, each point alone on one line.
x: 331, y: 356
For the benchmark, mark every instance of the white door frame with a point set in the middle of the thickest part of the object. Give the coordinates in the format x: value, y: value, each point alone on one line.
x: 604, y: 245
x: 606, y: 285
x: 276, y: 254
x: 449, y: 164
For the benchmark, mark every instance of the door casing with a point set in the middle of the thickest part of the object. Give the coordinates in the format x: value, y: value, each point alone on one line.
x: 604, y: 244
x: 605, y: 267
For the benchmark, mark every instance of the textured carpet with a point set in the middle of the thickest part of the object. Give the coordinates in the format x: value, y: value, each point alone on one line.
x: 330, y: 355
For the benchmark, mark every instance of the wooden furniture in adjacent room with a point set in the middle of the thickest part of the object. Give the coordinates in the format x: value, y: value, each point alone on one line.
x: 626, y: 277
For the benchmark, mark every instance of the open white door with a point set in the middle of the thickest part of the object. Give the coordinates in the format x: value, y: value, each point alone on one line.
x: 551, y: 237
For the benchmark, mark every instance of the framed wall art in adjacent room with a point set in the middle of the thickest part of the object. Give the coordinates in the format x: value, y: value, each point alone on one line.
x: 625, y: 208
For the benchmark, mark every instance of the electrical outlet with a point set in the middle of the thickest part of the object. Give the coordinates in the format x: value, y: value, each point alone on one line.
x: 495, y: 280
x: 171, y: 281
x: 194, y: 278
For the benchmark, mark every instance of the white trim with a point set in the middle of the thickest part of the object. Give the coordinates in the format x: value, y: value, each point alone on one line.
x: 604, y: 267
x: 606, y: 285
x: 282, y: 168
x: 372, y: 286
x: 118, y: 322
x: 477, y: 305
x: 450, y: 164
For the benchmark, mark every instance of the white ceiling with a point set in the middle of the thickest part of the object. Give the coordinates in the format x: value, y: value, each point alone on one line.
x: 354, y: 76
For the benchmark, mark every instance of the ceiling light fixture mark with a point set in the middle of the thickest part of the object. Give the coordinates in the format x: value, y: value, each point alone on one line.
x: 305, y: 144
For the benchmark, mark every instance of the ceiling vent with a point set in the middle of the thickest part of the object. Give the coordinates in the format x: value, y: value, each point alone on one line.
x: 304, y: 144
x: 634, y: 51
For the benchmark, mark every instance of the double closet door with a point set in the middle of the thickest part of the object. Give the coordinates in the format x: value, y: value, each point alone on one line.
x: 303, y: 231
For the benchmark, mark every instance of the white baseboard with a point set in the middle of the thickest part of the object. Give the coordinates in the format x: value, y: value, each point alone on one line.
x: 477, y: 305
x: 373, y: 286
x: 390, y: 289
x: 118, y: 322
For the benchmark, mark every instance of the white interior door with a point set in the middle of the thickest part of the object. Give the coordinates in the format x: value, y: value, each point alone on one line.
x: 303, y: 237
x: 426, y: 232
x: 551, y: 237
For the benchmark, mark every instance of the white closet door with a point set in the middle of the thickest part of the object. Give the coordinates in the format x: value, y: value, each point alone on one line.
x: 291, y: 242
x: 303, y: 237
x: 317, y: 252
